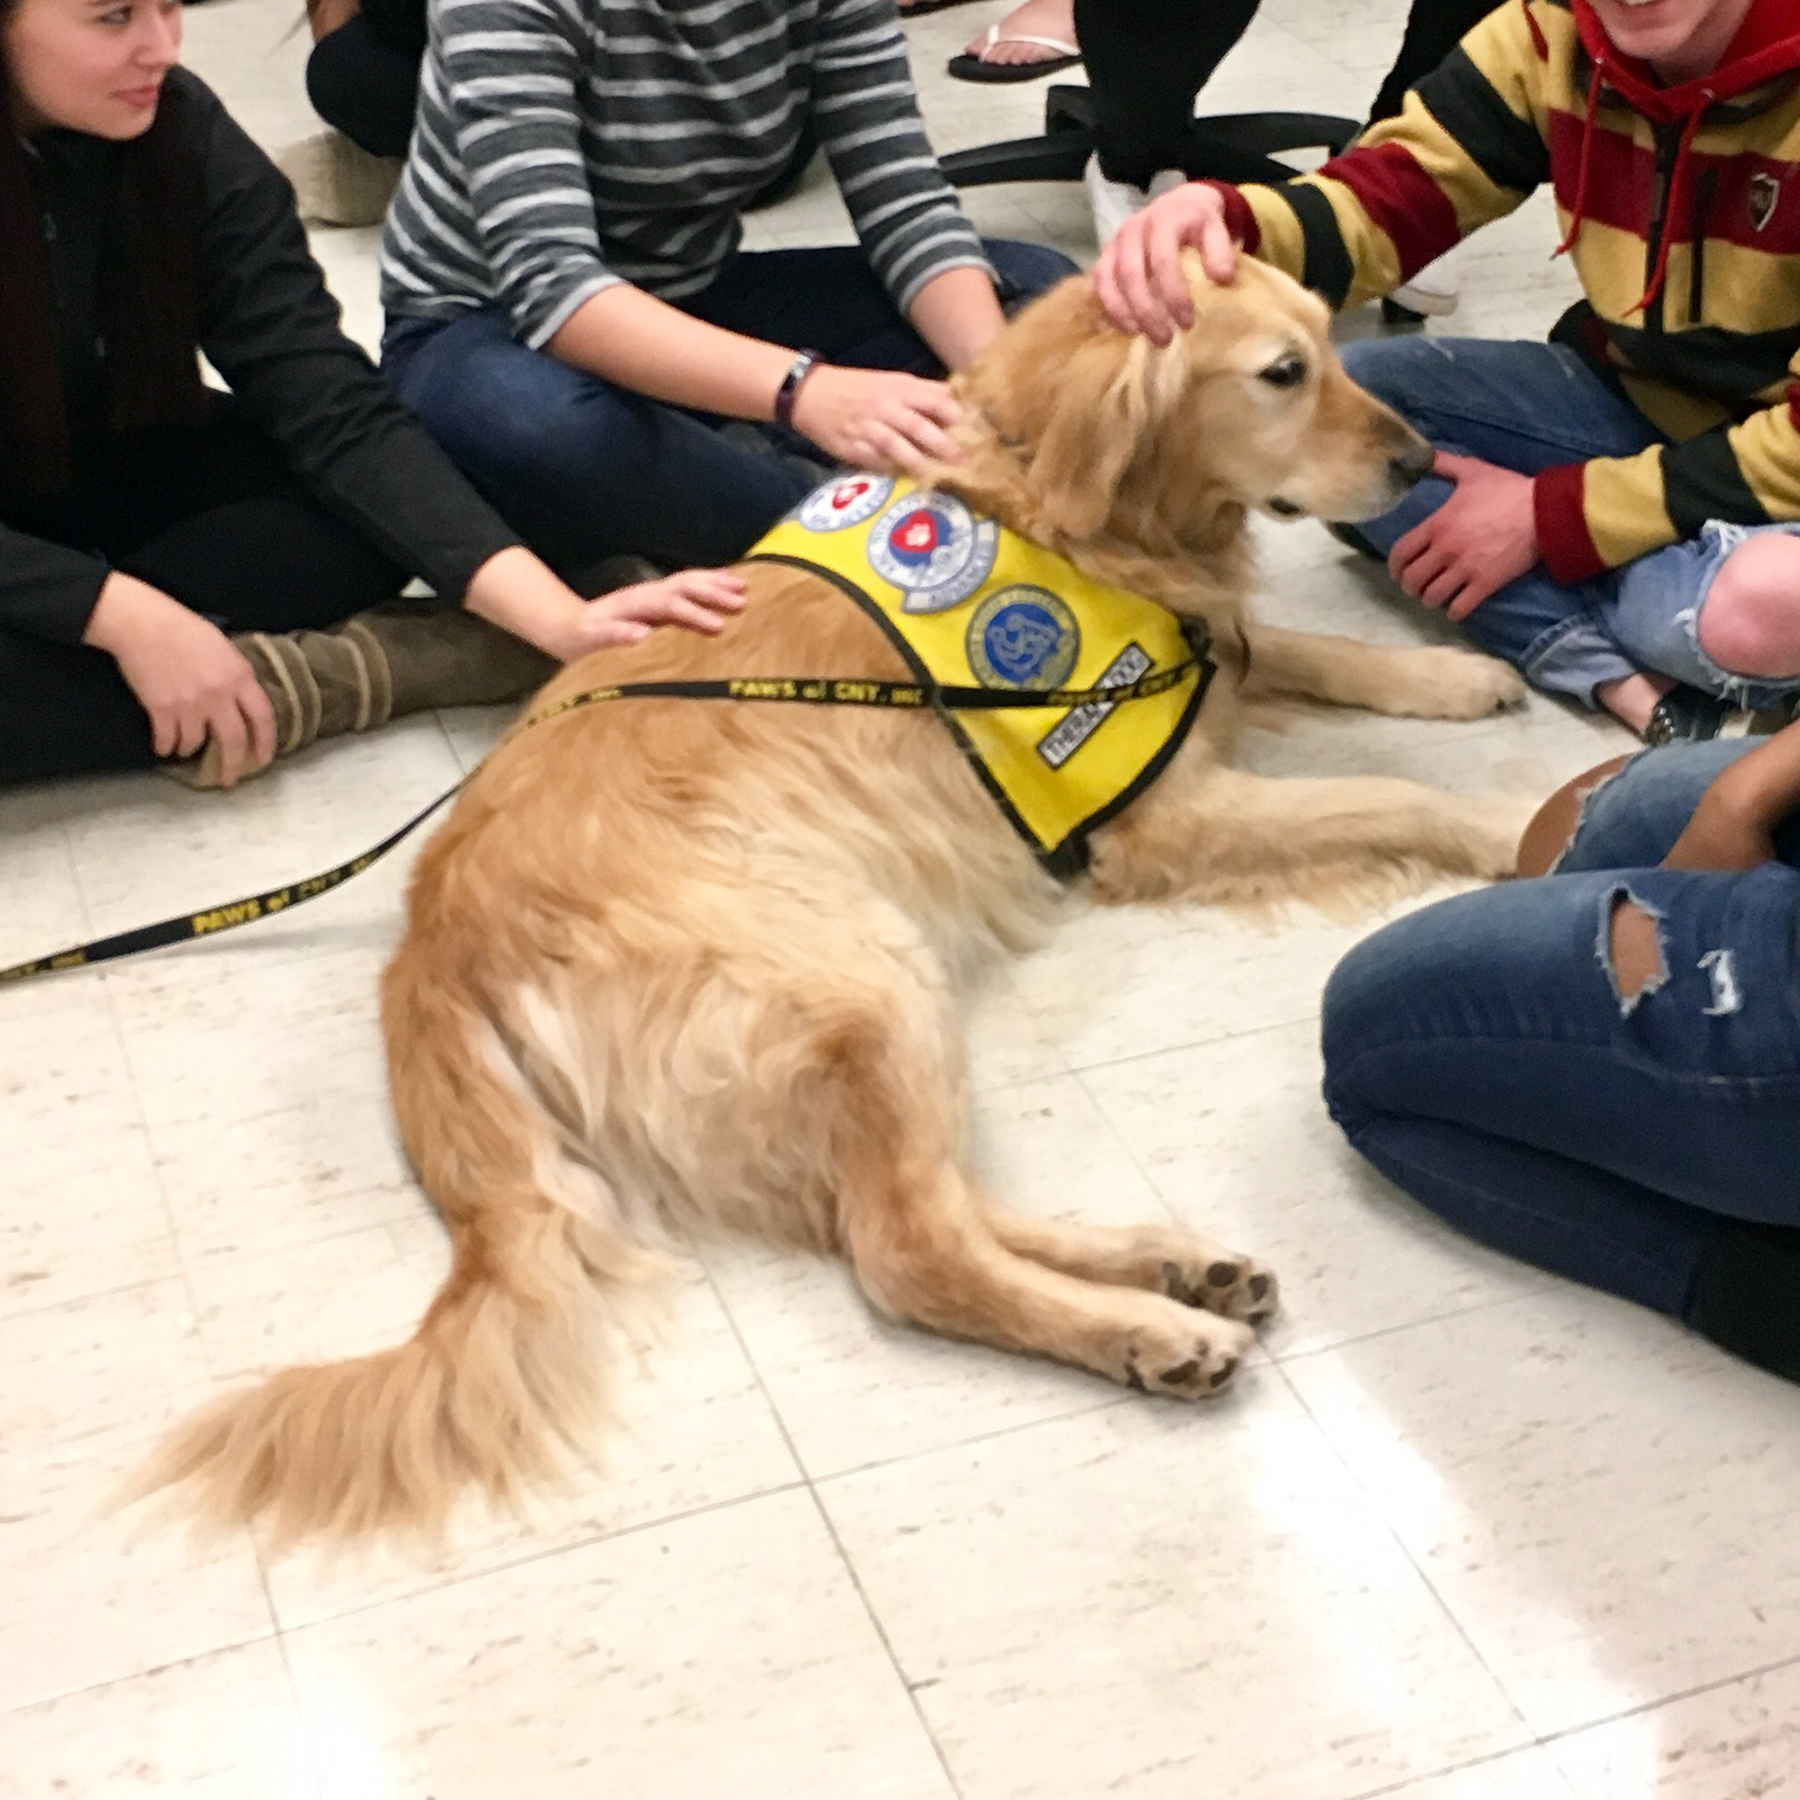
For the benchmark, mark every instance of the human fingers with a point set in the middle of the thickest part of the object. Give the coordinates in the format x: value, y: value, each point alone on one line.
x: 1144, y: 311
x: 1165, y: 238
x: 190, y: 730
x: 719, y: 589
x: 228, y: 728
x: 1476, y: 589
x: 923, y: 433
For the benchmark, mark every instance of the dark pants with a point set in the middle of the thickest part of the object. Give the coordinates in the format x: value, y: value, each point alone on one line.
x: 582, y: 469
x: 1147, y: 59
x: 365, y: 85
x: 1479, y: 1053
x: 211, y: 516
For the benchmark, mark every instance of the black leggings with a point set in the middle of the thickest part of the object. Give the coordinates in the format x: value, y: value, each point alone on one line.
x: 1147, y: 59
x: 211, y: 516
x: 365, y: 85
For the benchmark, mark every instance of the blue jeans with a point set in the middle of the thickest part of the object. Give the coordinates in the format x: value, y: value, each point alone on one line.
x: 582, y: 469
x: 1478, y: 1052
x: 1528, y: 407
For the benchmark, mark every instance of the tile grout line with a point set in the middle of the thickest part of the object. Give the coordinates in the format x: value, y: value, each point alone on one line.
x: 1108, y: 1401
x: 1379, y: 1332
x: 319, y: 1776
x: 161, y: 1668
x: 1549, y: 1740
x: 541, y: 1552
x: 1393, y: 1533
x: 1561, y: 1735
x: 837, y: 1542
x: 193, y: 1299
x: 1261, y: 1029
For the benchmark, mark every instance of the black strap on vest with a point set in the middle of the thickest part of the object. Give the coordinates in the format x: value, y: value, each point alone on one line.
x: 911, y: 696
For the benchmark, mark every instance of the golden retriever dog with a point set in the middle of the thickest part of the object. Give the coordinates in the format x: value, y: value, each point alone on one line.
x: 672, y: 967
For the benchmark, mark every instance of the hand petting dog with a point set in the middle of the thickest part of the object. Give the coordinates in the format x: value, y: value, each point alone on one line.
x: 1482, y: 537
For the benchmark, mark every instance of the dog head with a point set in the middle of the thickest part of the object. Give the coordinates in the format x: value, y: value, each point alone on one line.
x: 1108, y: 437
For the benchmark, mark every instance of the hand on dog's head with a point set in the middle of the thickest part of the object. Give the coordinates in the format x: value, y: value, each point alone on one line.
x: 1109, y: 437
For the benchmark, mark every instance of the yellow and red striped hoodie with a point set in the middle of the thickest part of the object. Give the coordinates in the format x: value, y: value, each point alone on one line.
x: 1681, y: 212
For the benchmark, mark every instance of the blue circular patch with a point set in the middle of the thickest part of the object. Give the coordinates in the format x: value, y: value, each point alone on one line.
x: 1023, y: 637
x: 933, y: 549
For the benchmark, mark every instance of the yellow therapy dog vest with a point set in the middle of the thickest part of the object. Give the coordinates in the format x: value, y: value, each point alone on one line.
x: 969, y: 604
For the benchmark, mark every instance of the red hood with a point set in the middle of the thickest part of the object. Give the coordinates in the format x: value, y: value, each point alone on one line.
x: 1767, y: 45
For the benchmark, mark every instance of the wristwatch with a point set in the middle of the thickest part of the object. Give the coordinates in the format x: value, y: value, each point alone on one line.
x: 789, y: 391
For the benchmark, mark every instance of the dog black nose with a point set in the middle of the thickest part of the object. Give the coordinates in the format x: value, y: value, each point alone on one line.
x: 1411, y: 463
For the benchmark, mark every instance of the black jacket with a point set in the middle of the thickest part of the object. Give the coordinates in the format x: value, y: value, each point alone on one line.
x: 270, y: 329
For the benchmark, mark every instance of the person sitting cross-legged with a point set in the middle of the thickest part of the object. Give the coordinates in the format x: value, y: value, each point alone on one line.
x: 569, y: 307
x: 1615, y: 512
x: 198, y: 580
x: 1598, y: 1070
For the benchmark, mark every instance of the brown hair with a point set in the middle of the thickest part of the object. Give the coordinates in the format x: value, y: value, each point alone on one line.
x: 147, y: 305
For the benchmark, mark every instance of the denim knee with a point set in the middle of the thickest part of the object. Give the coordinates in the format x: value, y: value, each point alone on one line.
x: 1656, y: 604
x: 1632, y: 819
x: 1356, y: 1013
x: 504, y: 412
x: 1398, y: 371
x: 1025, y: 270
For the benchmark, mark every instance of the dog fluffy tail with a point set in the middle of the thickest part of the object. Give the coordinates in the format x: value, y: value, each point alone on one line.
x: 506, y: 1381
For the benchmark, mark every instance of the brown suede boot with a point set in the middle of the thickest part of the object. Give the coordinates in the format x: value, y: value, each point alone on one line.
x: 378, y: 666
x: 438, y: 657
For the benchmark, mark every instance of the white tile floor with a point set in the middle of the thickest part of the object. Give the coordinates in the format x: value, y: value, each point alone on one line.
x: 1464, y: 1533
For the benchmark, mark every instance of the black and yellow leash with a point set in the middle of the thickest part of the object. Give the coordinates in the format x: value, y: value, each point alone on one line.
x: 912, y: 696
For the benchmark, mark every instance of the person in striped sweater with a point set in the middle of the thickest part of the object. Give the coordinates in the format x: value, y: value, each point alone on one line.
x: 1615, y: 511
x: 569, y: 309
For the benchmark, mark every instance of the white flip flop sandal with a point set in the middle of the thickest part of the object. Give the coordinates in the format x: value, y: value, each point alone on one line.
x: 967, y: 67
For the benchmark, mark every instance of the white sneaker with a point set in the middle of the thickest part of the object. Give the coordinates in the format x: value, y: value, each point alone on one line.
x: 1113, y: 202
x: 1432, y: 292
x: 337, y: 182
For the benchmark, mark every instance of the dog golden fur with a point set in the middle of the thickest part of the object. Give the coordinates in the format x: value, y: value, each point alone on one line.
x: 671, y: 967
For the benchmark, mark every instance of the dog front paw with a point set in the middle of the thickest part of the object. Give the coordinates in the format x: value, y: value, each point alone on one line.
x: 1463, y: 684
x: 1185, y: 1355
x: 1236, y: 1287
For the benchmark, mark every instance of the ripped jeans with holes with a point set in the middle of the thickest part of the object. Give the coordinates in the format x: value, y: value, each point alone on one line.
x: 1529, y: 407
x: 1495, y: 1057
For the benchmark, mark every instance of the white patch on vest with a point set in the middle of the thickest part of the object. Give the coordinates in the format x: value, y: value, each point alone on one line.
x: 841, y: 504
x: 933, y: 550
x: 1074, y: 729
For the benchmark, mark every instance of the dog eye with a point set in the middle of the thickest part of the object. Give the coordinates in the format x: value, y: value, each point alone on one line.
x: 1285, y: 372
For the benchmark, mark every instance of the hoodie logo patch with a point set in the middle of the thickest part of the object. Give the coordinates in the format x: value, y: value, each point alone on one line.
x: 1765, y: 191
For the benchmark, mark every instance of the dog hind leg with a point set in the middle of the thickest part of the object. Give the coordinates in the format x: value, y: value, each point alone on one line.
x: 923, y: 1249
x: 1156, y: 1257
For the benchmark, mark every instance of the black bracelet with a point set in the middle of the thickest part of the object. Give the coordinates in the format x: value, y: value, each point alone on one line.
x: 789, y: 391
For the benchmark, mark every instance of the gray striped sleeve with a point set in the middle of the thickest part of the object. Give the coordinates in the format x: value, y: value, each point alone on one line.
x: 906, y: 214
x: 512, y: 71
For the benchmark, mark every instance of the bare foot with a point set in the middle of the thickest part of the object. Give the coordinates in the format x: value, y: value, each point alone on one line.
x: 1633, y: 698
x: 1034, y: 18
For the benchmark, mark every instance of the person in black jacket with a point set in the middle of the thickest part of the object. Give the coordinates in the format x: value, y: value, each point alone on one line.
x: 186, y: 574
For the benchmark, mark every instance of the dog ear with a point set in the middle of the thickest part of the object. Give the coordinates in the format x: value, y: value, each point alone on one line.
x: 1096, y: 426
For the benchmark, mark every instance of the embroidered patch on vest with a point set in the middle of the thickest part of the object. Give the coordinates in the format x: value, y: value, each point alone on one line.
x: 933, y: 549
x: 971, y: 606
x: 845, y: 503
x: 1023, y: 636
